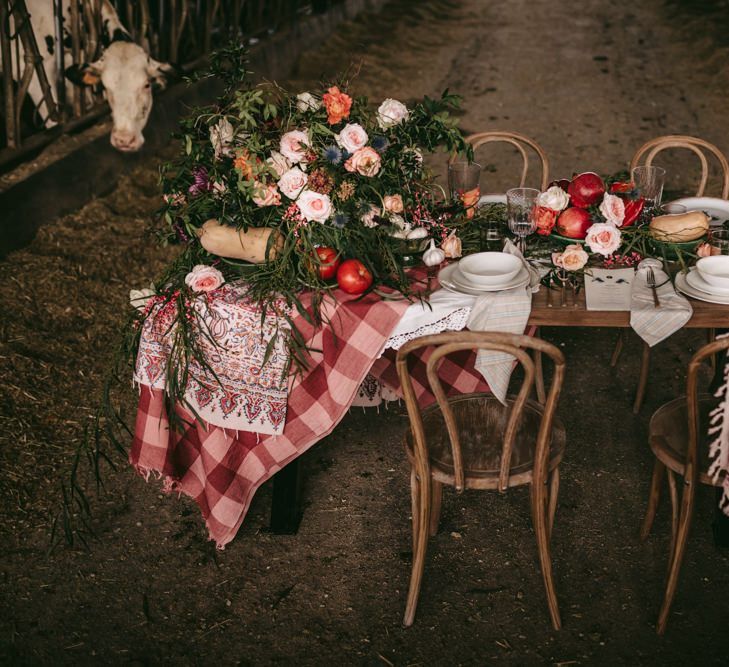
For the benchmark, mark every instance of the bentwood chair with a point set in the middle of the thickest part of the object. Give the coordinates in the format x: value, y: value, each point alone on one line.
x: 526, y: 146
x: 472, y: 441
x: 645, y: 155
x: 678, y: 437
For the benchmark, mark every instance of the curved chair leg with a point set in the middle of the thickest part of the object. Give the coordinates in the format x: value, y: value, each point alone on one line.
x: 553, y: 495
x: 618, y: 348
x: 677, y: 553
x: 710, y: 338
x: 653, y: 498
x: 540, y: 526
x: 674, y: 507
x: 645, y: 363
x: 436, y: 496
x: 539, y: 378
x: 421, y: 520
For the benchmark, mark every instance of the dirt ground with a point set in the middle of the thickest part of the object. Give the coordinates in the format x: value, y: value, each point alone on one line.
x: 591, y: 82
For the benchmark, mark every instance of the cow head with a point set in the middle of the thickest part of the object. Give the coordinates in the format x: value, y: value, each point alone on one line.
x: 128, y: 75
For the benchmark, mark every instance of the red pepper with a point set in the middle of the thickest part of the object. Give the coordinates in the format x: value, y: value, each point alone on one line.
x: 633, y: 209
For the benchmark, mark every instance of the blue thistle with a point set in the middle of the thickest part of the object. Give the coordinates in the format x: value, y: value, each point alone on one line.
x: 333, y: 154
x: 380, y: 143
x: 340, y: 220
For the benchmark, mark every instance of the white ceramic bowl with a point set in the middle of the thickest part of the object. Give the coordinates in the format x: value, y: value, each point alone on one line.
x: 490, y: 268
x: 714, y: 270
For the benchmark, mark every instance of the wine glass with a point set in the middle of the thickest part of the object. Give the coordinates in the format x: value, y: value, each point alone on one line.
x: 521, y: 205
x: 463, y: 184
x: 649, y: 181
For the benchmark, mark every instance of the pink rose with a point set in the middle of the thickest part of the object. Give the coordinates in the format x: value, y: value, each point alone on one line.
x: 573, y: 258
x: 314, y: 206
x: 293, y: 145
x: 603, y: 238
x: 613, y: 209
x: 293, y: 182
x: 366, y: 161
x: 451, y: 246
x: 204, y: 278
x: 352, y: 137
x: 266, y: 195
x: 393, y: 203
x: 278, y: 163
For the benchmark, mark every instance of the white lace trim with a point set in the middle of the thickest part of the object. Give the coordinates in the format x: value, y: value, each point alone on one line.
x: 453, y: 321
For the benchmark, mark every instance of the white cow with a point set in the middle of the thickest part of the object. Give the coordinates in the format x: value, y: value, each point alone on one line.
x: 126, y: 71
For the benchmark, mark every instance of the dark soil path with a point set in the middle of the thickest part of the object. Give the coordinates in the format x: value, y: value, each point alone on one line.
x: 590, y: 81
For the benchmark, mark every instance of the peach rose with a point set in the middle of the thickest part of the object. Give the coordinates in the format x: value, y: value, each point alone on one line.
x: 314, y: 206
x: 613, y: 209
x: 573, y: 258
x: 603, y: 238
x: 469, y: 199
x: 204, y: 278
x: 707, y: 250
x: 337, y: 105
x: 393, y: 203
x: 366, y: 161
x: 266, y: 195
x: 545, y: 219
x: 452, y: 246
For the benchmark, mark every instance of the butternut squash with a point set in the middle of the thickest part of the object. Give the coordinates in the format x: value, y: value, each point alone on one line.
x: 679, y: 228
x: 227, y: 241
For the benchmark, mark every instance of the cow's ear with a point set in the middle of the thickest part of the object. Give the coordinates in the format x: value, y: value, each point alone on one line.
x: 84, y: 75
x: 162, y: 74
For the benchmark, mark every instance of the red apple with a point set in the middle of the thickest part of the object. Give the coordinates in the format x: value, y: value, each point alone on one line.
x: 329, y: 262
x: 586, y: 189
x: 574, y: 222
x: 353, y: 277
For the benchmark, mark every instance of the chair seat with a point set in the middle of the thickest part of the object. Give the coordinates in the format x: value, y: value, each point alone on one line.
x: 482, y: 420
x: 668, y: 434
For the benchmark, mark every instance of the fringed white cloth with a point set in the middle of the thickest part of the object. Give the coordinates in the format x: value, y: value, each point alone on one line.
x: 719, y: 447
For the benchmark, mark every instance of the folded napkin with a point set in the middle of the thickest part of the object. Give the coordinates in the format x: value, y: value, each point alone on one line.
x: 651, y: 323
x: 506, y: 311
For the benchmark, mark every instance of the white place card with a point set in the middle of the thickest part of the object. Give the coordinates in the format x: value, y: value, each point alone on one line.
x: 608, y: 289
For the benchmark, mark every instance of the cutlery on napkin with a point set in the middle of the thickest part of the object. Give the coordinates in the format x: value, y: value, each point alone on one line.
x: 505, y: 311
x: 656, y: 311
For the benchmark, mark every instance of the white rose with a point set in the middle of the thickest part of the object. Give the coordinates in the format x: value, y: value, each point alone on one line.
x: 368, y: 219
x: 278, y: 163
x: 221, y: 136
x: 352, y: 137
x: 314, y: 206
x: 603, y: 238
x: 307, y: 102
x: 554, y: 198
x: 292, y: 182
x: 294, y: 144
x: 391, y: 113
x: 613, y: 208
x: 140, y: 298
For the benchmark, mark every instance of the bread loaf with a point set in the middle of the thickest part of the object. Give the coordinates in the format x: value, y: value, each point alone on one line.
x: 679, y: 228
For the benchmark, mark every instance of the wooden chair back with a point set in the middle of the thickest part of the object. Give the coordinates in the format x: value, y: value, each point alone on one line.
x: 691, y: 469
x: 699, y: 147
x: 521, y: 142
x: 513, y: 344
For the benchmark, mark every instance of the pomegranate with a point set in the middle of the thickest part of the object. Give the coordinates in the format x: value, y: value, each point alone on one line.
x: 574, y: 222
x: 586, y: 189
x: 563, y: 183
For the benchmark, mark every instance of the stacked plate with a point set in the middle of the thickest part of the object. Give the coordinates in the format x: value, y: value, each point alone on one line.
x: 485, y: 272
x: 707, y: 281
x: 716, y: 209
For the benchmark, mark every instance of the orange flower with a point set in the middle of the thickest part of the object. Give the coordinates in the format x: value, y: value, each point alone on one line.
x: 544, y: 218
x: 469, y: 199
x: 244, y: 163
x: 337, y: 105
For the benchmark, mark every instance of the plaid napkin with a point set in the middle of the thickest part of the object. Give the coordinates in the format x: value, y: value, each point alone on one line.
x: 507, y: 311
x: 654, y: 324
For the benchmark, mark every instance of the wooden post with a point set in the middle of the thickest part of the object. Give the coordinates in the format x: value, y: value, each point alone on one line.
x: 11, y: 129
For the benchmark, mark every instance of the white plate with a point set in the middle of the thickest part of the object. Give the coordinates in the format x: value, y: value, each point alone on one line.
x: 452, y: 279
x: 695, y: 280
x: 717, y: 209
x: 683, y: 286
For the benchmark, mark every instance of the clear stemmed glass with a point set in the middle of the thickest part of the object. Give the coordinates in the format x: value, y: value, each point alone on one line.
x: 649, y: 181
x: 521, y: 205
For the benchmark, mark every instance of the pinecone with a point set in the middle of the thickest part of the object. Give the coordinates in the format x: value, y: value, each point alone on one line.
x: 345, y: 191
x: 320, y: 181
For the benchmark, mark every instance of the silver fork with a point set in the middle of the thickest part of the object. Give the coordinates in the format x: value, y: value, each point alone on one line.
x: 651, y: 280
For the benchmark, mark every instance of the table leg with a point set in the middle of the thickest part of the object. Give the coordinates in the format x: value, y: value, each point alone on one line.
x: 286, y: 509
